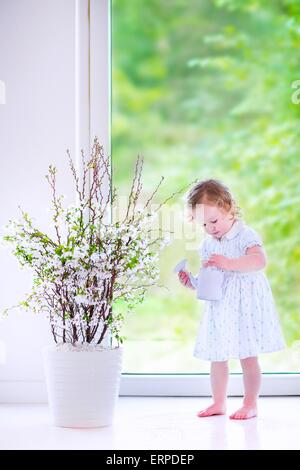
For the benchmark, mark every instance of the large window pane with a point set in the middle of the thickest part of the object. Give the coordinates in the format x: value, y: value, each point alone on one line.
x: 204, y: 89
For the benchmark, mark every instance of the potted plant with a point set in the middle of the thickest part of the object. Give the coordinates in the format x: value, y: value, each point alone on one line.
x: 82, y: 273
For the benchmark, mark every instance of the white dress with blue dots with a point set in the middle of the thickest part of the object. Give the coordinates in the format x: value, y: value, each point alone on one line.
x: 244, y: 322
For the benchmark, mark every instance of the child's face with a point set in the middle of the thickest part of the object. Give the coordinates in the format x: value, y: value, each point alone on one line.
x: 215, y: 220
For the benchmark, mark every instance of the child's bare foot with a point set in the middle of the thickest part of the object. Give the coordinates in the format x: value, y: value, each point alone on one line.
x: 212, y: 410
x: 245, y: 412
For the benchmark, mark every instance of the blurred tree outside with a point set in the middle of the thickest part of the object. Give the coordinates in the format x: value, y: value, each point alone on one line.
x: 203, y: 89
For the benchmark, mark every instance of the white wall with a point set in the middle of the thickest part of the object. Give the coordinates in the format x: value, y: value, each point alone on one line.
x: 37, y: 125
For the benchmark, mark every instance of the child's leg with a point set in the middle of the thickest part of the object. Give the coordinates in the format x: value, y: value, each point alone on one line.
x: 252, y: 380
x: 219, y: 380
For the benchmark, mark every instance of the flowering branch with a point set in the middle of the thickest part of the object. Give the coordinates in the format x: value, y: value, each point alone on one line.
x: 94, y: 263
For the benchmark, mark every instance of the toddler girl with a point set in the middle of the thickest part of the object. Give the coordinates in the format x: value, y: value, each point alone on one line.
x: 244, y: 322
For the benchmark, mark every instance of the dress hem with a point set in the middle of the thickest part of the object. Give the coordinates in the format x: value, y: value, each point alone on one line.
x: 254, y: 354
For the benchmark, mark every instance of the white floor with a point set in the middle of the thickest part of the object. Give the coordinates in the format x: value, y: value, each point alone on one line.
x: 158, y: 423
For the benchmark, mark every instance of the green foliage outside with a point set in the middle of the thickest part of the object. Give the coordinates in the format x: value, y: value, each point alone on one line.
x: 204, y: 89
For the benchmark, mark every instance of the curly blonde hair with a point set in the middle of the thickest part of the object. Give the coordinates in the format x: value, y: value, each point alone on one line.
x: 212, y: 192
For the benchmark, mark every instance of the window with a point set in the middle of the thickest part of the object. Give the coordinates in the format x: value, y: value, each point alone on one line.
x: 205, y: 91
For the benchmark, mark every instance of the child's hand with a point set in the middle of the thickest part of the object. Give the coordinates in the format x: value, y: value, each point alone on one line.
x: 218, y: 261
x: 184, y: 278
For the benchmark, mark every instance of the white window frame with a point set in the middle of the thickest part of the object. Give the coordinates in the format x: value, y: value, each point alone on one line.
x: 273, y: 384
x: 93, y: 118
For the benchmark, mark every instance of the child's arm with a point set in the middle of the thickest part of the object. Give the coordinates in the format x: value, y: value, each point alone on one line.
x: 253, y: 260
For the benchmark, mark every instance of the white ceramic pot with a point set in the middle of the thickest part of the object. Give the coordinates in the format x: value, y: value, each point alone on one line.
x: 83, y: 387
